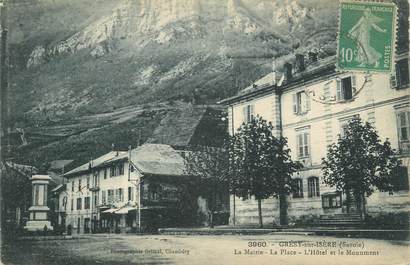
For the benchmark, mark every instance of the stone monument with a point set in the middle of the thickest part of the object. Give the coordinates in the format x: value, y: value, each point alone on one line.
x: 39, y: 209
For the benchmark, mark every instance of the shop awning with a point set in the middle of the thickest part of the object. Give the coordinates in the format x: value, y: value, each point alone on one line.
x: 153, y: 207
x: 111, y: 210
x: 125, y: 210
x: 331, y: 193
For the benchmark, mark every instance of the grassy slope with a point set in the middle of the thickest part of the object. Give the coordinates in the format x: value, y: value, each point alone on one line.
x: 57, y: 97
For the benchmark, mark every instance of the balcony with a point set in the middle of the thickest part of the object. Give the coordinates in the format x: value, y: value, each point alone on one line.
x: 94, y: 188
x: 305, y: 161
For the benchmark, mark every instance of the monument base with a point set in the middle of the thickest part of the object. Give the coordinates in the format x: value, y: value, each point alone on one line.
x: 38, y: 226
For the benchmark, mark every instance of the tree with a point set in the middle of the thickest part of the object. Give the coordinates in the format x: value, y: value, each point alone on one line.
x: 262, y: 165
x: 16, y: 193
x: 211, y: 165
x: 359, y: 163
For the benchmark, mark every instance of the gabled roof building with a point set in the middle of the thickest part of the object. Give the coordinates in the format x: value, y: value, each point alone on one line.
x: 124, y: 191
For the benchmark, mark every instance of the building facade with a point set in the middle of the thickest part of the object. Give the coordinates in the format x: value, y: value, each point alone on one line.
x: 124, y: 191
x: 309, y: 104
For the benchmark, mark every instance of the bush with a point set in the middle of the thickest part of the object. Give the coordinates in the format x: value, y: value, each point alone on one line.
x: 389, y: 221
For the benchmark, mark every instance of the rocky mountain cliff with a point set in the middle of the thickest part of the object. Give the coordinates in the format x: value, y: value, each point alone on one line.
x: 72, y: 59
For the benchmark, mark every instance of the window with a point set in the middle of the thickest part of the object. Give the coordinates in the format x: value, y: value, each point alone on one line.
x: 96, y: 180
x: 403, y: 119
x: 298, y: 188
x: 79, y: 185
x: 301, y: 103
x: 403, y: 130
x: 95, y: 200
x: 303, y: 139
x: 121, y: 169
x: 346, y: 88
x: 79, y: 202
x: 400, y: 179
x: 64, y: 203
x: 343, y: 128
x: 72, y: 186
x: 110, y: 196
x: 72, y: 204
x: 103, y: 197
x: 401, y: 77
x: 88, y: 182
x: 119, y: 195
x: 129, y: 193
x: 313, y: 187
x: 332, y: 200
x: 247, y: 113
x: 344, y: 124
x: 117, y: 169
x: 87, y: 203
x: 105, y: 173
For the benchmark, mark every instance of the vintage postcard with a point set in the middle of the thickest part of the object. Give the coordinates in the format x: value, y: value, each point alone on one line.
x: 205, y: 132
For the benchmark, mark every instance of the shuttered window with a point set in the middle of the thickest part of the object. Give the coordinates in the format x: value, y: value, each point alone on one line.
x: 303, y: 142
x: 403, y: 119
x: 110, y: 196
x: 344, y: 124
x: 346, y: 88
x: 247, y: 113
x: 79, y: 203
x: 87, y: 203
x: 301, y: 103
x: 104, y: 197
x: 403, y: 130
x: 130, y: 195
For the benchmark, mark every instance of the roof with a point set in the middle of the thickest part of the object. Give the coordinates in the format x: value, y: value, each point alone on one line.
x: 96, y: 162
x: 59, y: 188
x: 178, y: 126
x: 59, y: 164
x: 21, y: 169
x: 158, y: 159
x: 268, y: 80
x: 314, y: 70
x: 149, y: 159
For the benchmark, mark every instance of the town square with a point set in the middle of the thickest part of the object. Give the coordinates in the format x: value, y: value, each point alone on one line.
x: 205, y: 132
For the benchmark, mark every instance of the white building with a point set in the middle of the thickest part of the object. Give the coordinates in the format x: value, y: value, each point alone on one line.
x: 309, y: 105
x: 123, y: 191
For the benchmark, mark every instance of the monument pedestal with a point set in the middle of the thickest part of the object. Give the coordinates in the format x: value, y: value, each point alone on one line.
x: 39, y: 210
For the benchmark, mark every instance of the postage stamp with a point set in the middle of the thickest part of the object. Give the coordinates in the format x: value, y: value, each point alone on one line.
x: 367, y: 35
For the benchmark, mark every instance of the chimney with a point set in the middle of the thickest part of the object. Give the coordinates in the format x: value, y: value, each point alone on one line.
x: 312, y: 57
x: 274, y: 73
x: 113, y: 149
x: 288, y: 71
x: 300, y: 62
